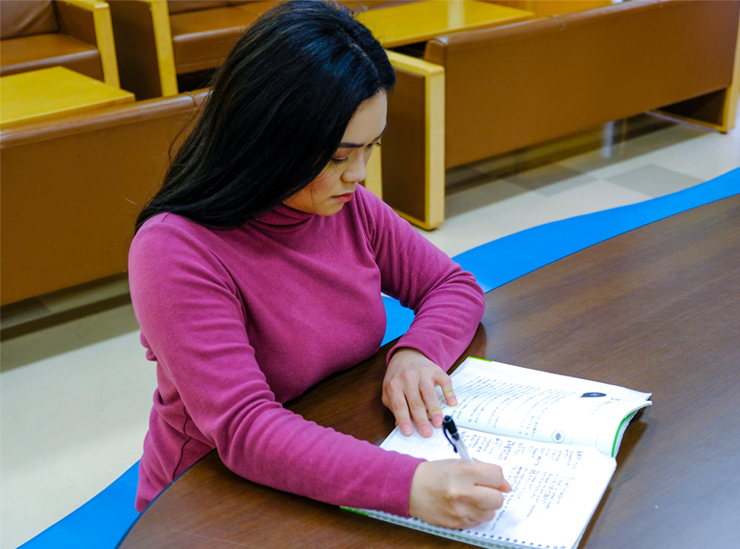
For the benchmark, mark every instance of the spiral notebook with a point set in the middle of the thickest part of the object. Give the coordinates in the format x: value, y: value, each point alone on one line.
x: 555, y: 437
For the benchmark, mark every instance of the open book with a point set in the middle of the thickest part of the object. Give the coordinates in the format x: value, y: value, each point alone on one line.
x: 554, y: 436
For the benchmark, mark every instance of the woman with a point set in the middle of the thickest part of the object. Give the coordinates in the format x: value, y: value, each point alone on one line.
x: 257, y: 269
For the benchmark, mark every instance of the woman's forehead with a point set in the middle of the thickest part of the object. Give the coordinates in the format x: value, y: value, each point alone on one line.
x: 368, y: 122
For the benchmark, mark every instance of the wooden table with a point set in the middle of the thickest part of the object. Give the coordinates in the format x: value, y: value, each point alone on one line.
x: 35, y: 95
x: 656, y: 309
x: 420, y: 21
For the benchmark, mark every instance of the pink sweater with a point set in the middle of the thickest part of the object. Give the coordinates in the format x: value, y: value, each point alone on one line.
x: 240, y: 321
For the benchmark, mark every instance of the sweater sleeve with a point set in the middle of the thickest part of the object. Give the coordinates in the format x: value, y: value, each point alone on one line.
x: 193, y: 320
x: 447, y: 301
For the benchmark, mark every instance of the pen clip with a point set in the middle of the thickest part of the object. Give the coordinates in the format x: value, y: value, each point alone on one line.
x: 449, y: 429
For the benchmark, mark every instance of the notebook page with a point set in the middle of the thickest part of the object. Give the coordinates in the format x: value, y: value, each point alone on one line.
x: 522, y: 403
x: 555, y: 488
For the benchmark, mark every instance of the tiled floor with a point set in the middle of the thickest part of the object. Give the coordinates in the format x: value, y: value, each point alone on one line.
x: 75, y: 386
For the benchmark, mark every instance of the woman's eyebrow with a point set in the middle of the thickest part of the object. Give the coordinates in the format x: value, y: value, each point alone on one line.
x: 358, y: 145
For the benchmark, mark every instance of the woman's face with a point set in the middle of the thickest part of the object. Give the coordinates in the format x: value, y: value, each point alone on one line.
x: 335, y: 185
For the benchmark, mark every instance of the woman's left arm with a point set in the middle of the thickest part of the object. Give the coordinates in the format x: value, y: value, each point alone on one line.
x: 448, y: 304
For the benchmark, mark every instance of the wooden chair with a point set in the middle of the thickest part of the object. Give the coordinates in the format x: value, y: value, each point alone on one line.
x: 153, y: 46
x: 76, y: 34
x: 159, y: 40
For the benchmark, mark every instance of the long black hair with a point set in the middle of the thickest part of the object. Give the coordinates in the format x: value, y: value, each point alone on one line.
x: 278, y: 110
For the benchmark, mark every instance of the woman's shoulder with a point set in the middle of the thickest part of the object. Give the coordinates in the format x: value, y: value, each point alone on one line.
x: 169, y: 235
x: 370, y: 207
x: 167, y: 222
x: 367, y: 197
x: 169, y: 246
x: 169, y: 228
x: 378, y: 217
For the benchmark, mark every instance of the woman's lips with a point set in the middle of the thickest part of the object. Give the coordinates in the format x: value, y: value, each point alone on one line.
x: 344, y: 198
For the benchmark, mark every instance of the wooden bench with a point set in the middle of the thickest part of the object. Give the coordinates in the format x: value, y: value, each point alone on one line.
x: 482, y: 93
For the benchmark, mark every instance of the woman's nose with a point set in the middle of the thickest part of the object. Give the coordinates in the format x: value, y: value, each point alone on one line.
x: 355, y: 171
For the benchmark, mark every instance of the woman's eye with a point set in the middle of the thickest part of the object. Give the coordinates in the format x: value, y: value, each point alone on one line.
x: 339, y: 160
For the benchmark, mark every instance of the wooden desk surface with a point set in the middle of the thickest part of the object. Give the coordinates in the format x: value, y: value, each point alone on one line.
x: 656, y: 309
x: 44, y: 93
x: 420, y: 21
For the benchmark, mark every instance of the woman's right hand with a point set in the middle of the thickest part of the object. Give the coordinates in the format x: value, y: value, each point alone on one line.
x: 457, y: 494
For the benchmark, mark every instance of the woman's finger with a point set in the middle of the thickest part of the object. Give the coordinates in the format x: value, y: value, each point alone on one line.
x: 431, y: 402
x: 396, y: 401
x: 484, y: 501
x: 489, y: 475
x: 419, y: 412
x: 445, y: 382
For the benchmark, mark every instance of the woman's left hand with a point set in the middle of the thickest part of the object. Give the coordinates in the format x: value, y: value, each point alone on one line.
x: 409, y: 391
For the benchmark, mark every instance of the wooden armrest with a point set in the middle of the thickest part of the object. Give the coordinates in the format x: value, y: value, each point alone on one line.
x: 163, y: 41
x: 420, y: 202
x: 144, y: 47
x: 734, y: 93
x: 374, y: 178
x: 90, y: 21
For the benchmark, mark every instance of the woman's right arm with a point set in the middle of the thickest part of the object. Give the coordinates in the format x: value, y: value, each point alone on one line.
x: 194, y: 321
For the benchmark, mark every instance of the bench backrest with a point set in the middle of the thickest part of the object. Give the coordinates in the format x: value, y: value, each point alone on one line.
x: 514, y: 86
x: 27, y: 18
x: 72, y: 188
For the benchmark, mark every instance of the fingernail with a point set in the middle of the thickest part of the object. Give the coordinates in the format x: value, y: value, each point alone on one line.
x: 426, y: 431
x: 453, y: 401
x: 406, y: 430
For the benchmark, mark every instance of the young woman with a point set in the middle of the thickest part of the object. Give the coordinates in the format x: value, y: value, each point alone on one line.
x: 257, y: 271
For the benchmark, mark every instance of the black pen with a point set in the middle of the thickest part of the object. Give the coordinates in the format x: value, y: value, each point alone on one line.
x: 449, y: 428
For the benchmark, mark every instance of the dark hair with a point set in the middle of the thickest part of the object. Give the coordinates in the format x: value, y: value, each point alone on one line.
x: 278, y: 110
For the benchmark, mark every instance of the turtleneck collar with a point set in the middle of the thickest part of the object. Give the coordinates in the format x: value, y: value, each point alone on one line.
x: 284, y: 217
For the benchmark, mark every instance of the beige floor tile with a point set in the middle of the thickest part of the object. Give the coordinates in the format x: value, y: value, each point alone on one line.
x: 23, y: 523
x: 712, y: 156
x: 85, y: 450
x: 126, y: 354
x: 478, y: 215
x: 596, y: 196
x: 633, y: 152
x: 105, y: 325
x: 99, y: 290
x: 93, y: 485
x: 459, y: 237
x: 459, y: 175
x: 23, y: 311
x: 604, y: 170
x: 537, y: 213
x: 28, y: 472
x: 39, y: 345
x: 654, y: 181
x: 492, y: 194
x: 67, y: 388
x: 551, y: 180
